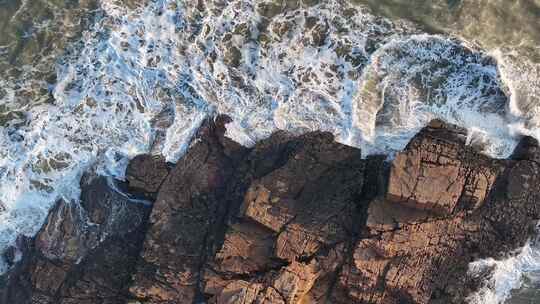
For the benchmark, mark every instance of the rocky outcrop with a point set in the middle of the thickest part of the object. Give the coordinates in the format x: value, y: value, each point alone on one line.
x: 295, y: 219
x: 438, y: 173
x: 306, y: 220
x: 187, y: 220
x: 446, y: 206
x: 84, y: 253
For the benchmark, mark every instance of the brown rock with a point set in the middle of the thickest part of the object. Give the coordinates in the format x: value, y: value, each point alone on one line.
x: 293, y: 220
x: 437, y: 172
x: 283, y: 216
x: 421, y: 238
x: 247, y: 248
x: 84, y: 253
x: 186, y: 221
x: 269, y: 211
x: 145, y: 174
x: 305, y: 220
x: 239, y: 292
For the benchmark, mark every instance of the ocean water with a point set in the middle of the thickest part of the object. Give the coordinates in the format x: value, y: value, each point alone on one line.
x: 92, y: 83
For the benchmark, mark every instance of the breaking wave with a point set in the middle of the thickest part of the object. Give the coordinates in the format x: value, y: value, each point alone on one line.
x: 506, y: 275
x: 143, y: 78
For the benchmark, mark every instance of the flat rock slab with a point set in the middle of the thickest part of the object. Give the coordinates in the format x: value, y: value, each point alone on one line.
x: 437, y: 172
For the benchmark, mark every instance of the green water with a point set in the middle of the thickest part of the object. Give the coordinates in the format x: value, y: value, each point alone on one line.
x: 491, y: 23
x: 33, y: 34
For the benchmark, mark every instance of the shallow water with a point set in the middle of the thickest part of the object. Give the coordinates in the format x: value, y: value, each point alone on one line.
x: 491, y: 23
x: 140, y: 76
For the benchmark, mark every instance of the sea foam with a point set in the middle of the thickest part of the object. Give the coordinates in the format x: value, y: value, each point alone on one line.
x: 143, y: 80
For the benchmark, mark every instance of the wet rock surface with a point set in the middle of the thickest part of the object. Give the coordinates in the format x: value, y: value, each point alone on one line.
x: 84, y: 253
x: 295, y: 219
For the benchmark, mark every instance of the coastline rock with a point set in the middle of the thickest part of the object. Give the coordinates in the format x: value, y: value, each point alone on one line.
x: 186, y: 221
x: 293, y: 220
x: 419, y: 245
x: 145, y: 174
x: 437, y: 172
x: 84, y: 253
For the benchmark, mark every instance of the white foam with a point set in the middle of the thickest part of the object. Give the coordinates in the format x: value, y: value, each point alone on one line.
x: 104, y: 103
x: 507, y: 275
x: 522, y: 82
x: 160, y: 70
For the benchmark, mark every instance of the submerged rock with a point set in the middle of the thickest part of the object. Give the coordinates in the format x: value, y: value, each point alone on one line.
x: 295, y: 219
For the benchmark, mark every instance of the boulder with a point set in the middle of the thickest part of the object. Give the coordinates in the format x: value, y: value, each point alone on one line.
x: 187, y: 219
x: 437, y: 172
x: 446, y: 206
